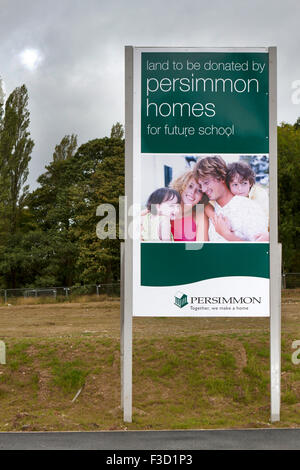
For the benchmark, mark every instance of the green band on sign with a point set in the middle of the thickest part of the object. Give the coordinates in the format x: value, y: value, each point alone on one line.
x: 198, y: 102
x: 170, y: 264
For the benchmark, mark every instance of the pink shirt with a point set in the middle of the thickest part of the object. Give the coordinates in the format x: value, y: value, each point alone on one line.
x: 184, y: 230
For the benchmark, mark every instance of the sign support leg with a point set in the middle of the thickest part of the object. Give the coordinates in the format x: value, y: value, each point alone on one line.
x: 275, y: 247
x: 122, y: 321
x: 275, y: 334
x: 126, y: 345
x: 126, y: 326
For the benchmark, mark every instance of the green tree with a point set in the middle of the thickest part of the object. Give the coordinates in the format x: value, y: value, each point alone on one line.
x: 66, y: 148
x: 49, y: 202
x: 289, y: 194
x: 65, y: 206
x: 3, y: 188
x: 52, y: 208
x: 56, y: 241
x: 99, y: 260
x: 2, y: 99
x: 297, y: 124
x: 15, y: 153
x: 117, y: 131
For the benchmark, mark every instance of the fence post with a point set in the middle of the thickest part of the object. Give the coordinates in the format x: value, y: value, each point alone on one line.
x: 2, y: 353
x: 283, y: 280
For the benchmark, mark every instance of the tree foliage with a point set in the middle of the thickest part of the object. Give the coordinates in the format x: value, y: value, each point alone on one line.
x: 117, y: 131
x: 65, y: 205
x: 15, y: 153
x: 48, y: 236
x: 100, y: 259
x: 66, y: 148
x: 2, y: 98
x: 289, y: 194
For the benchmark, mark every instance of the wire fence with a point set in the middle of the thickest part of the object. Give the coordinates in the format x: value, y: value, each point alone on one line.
x: 97, y: 291
x: 58, y: 294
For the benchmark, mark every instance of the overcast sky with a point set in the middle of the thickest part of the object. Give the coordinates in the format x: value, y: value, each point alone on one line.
x: 75, y: 76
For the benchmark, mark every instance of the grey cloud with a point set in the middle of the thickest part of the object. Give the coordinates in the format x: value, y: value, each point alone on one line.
x: 79, y: 86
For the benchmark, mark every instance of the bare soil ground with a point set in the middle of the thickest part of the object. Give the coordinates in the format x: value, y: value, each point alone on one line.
x: 187, y: 372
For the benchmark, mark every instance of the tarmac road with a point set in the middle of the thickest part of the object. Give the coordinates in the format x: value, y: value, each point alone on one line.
x: 246, y: 439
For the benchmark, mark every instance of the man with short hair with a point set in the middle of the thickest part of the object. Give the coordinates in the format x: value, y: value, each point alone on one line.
x: 236, y: 218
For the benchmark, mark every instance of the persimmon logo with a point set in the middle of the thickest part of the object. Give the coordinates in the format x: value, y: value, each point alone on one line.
x: 180, y: 299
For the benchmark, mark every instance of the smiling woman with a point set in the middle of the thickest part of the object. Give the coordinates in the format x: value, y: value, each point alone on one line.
x: 190, y: 224
x: 30, y: 58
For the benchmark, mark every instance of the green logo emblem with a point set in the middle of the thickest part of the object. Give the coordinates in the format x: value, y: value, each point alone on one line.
x: 180, y: 299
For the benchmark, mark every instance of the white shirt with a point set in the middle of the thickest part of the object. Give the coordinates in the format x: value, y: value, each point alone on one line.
x: 246, y: 218
x: 260, y: 196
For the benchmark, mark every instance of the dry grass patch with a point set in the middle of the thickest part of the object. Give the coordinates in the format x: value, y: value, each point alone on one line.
x: 187, y: 372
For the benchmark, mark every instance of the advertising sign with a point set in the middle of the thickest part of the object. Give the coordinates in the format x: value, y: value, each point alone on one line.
x: 200, y: 181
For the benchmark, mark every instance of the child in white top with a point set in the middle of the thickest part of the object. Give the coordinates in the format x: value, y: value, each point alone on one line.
x: 240, y: 180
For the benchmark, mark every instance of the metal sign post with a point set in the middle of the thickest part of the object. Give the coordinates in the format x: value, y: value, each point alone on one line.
x: 151, y: 97
x: 275, y: 247
x: 126, y: 251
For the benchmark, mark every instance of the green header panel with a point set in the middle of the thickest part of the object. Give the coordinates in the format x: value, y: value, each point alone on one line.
x: 171, y: 264
x: 196, y: 102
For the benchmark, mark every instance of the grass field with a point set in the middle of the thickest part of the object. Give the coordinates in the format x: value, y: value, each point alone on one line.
x: 188, y: 373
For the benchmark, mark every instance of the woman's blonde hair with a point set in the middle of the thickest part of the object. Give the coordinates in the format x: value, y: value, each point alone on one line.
x: 180, y: 183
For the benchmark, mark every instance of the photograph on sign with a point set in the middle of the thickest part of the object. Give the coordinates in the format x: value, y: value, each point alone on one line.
x: 180, y: 198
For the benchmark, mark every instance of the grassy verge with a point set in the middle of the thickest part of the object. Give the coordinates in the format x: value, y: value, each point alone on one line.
x: 44, y: 300
x: 187, y: 372
x: 179, y: 382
